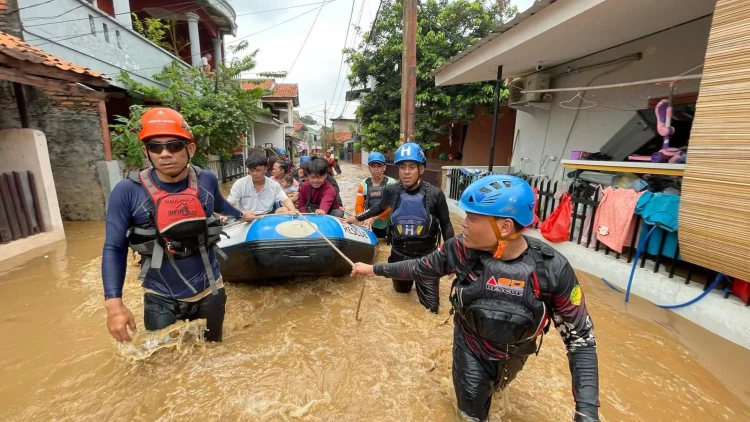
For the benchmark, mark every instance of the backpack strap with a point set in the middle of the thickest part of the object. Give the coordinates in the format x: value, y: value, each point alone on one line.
x: 540, y: 252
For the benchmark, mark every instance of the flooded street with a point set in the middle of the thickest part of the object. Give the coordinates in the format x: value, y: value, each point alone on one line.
x: 295, y: 352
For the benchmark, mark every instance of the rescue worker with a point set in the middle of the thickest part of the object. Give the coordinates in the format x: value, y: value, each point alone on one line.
x: 166, y: 214
x: 507, y: 288
x: 419, y: 214
x: 330, y: 160
x: 370, y: 192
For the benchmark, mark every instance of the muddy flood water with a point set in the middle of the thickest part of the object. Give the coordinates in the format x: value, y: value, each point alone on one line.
x: 294, y: 352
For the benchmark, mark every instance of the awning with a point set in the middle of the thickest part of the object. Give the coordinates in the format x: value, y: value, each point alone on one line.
x: 553, y: 33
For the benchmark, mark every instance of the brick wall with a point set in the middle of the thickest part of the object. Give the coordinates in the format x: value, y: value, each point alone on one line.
x: 10, y: 21
x: 74, y: 137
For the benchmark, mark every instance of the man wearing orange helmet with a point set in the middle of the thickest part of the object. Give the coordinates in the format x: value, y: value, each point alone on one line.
x: 166, y: 214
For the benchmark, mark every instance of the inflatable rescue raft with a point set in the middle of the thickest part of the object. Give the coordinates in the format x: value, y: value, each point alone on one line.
x: 281, y: 246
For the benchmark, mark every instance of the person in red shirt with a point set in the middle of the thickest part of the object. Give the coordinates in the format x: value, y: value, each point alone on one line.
x: 330, y: 160
x: 318, y: 195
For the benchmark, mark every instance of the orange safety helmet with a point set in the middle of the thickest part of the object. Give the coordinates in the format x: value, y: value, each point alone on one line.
x: 163, y: 121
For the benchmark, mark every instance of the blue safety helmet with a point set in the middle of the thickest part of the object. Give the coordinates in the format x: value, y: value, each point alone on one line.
x: 304, y: 159
x: 281, y: 151
x: 500, y: 196
x: 409, y: 152
x: 376, y: 157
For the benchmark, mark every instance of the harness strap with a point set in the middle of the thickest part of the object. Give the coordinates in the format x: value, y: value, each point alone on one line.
x: 209, y: 270
x: 220, y: 253
x: 144, y: 232
x: 170, y: 258
x: 144, y: 268
x: 157, y: 256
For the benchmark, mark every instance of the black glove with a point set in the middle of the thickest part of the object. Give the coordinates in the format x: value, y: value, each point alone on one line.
x: 580, y: 416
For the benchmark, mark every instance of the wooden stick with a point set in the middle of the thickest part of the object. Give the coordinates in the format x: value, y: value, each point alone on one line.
x: 364, y: 282
x: 326, y: 239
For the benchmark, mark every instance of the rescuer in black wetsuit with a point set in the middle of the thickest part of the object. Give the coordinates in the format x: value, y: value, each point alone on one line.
x: 507, y: 288
x: 419, y: 214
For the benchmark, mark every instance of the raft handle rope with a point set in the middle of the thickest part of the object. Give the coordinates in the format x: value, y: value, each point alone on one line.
x: 710, y: 287
x: 364, y: 282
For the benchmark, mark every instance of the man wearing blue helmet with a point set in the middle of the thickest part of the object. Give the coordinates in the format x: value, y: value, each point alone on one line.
x: 419, y: 214
x: 507, y: 289
x: 370, y: 192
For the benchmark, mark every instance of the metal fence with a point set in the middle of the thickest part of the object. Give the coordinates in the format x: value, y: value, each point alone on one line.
x: 586, y: 202
x: 227, y: 170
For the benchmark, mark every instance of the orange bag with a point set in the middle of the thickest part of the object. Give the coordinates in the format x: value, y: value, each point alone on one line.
x: 556, y: 228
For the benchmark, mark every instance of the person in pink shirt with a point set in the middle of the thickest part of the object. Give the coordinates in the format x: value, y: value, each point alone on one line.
x: 278, y: 170
x: 318, y: 195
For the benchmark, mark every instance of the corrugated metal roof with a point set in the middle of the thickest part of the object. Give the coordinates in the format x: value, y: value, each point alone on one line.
x: 19, y: 50
x: 531, y: 11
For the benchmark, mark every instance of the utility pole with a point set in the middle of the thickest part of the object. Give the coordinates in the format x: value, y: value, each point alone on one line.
x: 409, y: 71
x: 325, y: 125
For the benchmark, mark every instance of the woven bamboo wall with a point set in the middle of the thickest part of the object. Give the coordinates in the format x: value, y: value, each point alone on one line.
x: 715, y: 206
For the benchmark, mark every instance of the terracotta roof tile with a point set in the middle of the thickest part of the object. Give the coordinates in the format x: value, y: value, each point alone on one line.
x: 3, y: 5
x: 19, y: 50
x: 298, y: 127
x: 266, y: 84
x: 285, y: 91
x: 339, y: 136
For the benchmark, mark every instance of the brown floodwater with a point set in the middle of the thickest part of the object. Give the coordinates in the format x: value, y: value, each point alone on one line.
x: 294, y: 352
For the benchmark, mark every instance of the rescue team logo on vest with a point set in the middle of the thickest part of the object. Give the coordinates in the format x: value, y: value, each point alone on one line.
x: 411, y: 219
x: 178, y: 215
x: 506, y: 285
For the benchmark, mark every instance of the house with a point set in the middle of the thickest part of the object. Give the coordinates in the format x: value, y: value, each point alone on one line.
x: 38, y: 176
x: 342, y: 130
x: 270, y: 130
x: 99, y: 35
x: 586, y: 76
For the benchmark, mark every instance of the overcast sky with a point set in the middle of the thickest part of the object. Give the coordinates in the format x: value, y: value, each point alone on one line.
x: 316, y: 69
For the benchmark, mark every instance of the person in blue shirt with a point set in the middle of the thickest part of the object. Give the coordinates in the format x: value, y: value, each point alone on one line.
x: 166, y: 213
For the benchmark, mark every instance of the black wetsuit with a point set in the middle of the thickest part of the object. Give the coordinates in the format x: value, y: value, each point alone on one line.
x: 407, y: 243
x: 477, y: 374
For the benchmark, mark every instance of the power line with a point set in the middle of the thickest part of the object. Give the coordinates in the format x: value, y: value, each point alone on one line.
x: 281, y: 23
x: 341, y: 63
x: 303, y: 43
x: 29, y: 6
x: 354, y: 41
x: 193, y: 2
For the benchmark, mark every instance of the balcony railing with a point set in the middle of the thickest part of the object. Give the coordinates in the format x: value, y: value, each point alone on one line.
x: 78, y: 32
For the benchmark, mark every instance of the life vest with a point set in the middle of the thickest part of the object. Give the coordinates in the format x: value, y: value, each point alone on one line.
x: 177, y: 228
x: 374, y: 193
x: 411, y: 220
x: 505, y: 307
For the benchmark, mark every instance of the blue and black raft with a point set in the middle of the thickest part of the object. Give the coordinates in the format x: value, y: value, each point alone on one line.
x: 281, y: 246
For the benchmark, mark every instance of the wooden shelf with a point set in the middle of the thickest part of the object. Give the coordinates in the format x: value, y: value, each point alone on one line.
x: 626, y: 167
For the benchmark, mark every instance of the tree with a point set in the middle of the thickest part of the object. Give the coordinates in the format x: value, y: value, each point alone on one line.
x: 217, y: 108
x: 445, y: 28
x: 308, y: 120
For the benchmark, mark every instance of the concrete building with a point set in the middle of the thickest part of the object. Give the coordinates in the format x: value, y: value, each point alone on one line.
x: 585, y: 76
x: 99, y: 35
x: 271, y: 129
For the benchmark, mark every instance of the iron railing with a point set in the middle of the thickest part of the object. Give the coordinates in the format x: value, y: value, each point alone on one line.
x: 586, y: 202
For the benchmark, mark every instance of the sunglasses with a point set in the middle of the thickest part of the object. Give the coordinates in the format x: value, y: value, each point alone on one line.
x: 171, y: 146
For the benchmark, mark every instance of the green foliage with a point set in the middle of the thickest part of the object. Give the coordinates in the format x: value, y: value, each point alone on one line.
x: 160, y: 32
x: 217, y: 108
x: 124, y: 137
x: 444, y: 29
x: 308, y: 120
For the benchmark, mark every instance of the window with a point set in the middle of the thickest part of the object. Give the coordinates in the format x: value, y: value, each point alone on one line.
x: 119, y: 40
x: 106, y: 31
x: 93, y: 25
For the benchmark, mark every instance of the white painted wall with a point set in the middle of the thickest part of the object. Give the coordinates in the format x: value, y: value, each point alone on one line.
x: 666, y: 54
x: 26, y: 150
x: 265, y: 133
x: 69, y: 37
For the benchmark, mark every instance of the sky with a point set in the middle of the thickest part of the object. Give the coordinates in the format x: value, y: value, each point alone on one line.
x: 316, y: 69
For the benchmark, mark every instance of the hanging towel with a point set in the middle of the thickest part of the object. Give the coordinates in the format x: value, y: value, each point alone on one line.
x: 614, y: 217
x: 662, y: 209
